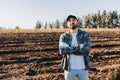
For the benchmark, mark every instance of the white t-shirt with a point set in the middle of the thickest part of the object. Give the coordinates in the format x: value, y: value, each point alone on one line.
x: 76, y: 61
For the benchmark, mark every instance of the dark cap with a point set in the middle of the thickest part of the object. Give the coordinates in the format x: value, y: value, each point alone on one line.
x: 71, y: 16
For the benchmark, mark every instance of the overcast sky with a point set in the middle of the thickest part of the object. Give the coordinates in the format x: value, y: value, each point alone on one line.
x: 25, y: 13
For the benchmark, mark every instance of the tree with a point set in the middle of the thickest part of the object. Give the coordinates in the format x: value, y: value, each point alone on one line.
x: 38, y: 25
x: 98, y: 17
x: 80, y: 22
x: 64, y: 24
x: 46, y: 25
x: 115, y: 18
x: 94, y: 21
x: 109, y: 18
x: 119, y: 23
x: 51, y: 25
x: 57, y: 24
x: 119, y: 20
x: 17, y: 27
x: 88, y: 21
x: 103, y: 19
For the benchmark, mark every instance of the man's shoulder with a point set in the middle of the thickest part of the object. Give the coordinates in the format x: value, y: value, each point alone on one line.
x: 65, y: 34
x: 83, y: 32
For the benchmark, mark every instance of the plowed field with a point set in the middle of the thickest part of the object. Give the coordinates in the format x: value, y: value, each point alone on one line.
x: 35, y: 56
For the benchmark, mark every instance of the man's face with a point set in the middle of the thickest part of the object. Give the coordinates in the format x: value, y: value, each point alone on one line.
x: 72, y: 23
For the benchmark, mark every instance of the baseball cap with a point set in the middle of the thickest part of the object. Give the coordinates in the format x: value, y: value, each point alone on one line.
x: 71, y: 16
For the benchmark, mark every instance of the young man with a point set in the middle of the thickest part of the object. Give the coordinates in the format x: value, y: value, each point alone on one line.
x: 75, y: 46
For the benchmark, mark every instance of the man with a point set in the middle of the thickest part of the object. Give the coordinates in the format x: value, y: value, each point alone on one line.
x: 75, y: 46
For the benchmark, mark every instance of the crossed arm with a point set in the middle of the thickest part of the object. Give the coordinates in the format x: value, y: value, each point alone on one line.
x: 64, y: 48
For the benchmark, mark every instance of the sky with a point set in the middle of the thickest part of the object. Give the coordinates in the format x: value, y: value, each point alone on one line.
x: 25, y: 13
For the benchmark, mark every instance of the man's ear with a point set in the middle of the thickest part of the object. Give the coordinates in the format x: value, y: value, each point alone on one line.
x: 68, y: 23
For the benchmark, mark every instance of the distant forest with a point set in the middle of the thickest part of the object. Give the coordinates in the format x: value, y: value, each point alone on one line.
x: 110, y: 19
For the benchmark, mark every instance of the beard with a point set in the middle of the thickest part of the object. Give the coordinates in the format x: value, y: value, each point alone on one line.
x: 74, y: 26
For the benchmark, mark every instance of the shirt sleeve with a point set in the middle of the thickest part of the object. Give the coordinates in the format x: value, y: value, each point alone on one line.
x: 85, y: 49
x: 64, y: 48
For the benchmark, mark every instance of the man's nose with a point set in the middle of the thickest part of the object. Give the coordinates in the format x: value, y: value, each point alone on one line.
x: 72, y: 22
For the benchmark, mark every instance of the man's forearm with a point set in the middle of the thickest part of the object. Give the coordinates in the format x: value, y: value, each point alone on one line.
x: 68, y: 50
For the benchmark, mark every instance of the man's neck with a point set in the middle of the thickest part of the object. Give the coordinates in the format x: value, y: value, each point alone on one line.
x: 73, y: 31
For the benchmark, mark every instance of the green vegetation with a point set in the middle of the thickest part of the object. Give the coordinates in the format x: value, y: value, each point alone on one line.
x: 38, y: 25
x: 110, y: 19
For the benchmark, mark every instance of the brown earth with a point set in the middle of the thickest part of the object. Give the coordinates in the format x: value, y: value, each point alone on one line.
x: 35, y: 56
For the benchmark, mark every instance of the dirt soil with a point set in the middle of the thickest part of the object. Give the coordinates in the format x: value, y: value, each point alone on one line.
x: 35, y: 56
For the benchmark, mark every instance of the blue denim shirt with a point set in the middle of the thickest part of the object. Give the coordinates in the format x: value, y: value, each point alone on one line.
x: 83, y: 37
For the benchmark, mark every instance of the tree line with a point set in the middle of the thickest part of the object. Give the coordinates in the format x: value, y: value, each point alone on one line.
x: 110, y: 19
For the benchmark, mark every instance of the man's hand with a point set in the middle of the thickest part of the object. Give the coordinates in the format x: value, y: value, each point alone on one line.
x: 78, y: 46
